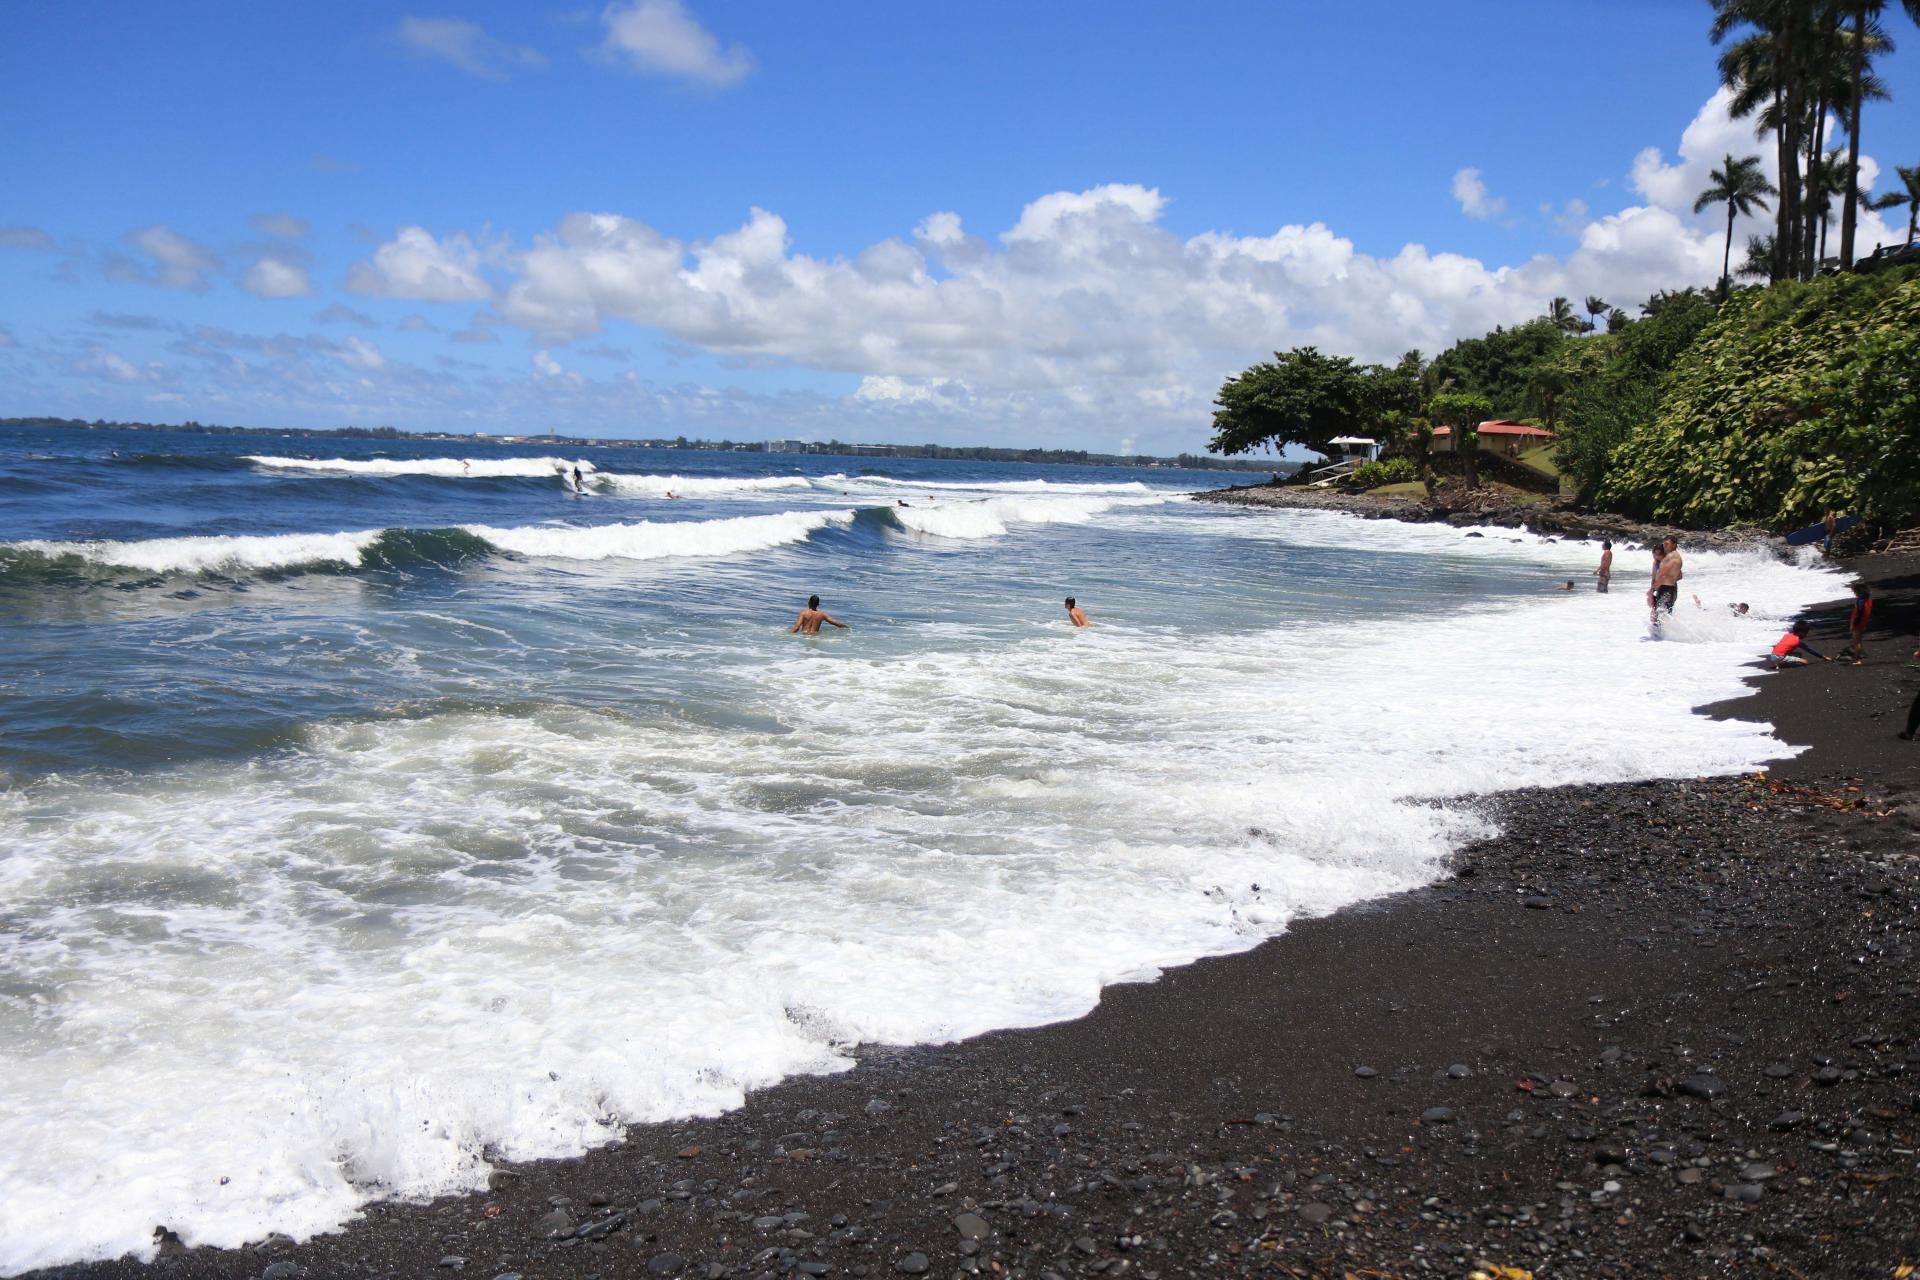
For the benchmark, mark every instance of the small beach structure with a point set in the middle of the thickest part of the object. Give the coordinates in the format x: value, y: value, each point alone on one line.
x: 1344, y: 453
x: 1497, y: 436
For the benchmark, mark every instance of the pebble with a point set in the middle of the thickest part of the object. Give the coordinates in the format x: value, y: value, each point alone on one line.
x: 1749, y: 1192
x: 1316, y: 1212
x: 1703, y: 1085
x: 666, y: 1264
x: 972, y: 1226
x: 1828, y: 1076
x: 877, y: 1106
x: 453, y: 1262
x: 1787, y: 1120
x: 1459, y: 1071
x: 1778, y: 1070
x: 1365, y: 1073
x: 1689, y: 1176
x: 914, y: 1264
x: 813, y: 1268
x: 1437, y: 1115
x: 604, y: 1227
x: 280, y: 1271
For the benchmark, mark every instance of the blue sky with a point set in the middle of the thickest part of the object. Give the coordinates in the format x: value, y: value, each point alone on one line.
x: 1056, y: 224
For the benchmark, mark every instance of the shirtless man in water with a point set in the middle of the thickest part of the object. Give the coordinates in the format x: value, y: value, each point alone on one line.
x: 808, y: 623
x: 1075, y: 614
x: 1666, y: 579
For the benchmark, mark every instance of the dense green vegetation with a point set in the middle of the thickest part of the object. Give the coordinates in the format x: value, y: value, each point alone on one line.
x: 1794, y: 401
x: 1772, y: 403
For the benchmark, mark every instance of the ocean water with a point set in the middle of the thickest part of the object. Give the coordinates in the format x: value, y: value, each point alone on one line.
x: 371, y: 812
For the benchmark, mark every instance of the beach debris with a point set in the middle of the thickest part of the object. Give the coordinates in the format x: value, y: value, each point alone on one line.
x: 1494, y: 1271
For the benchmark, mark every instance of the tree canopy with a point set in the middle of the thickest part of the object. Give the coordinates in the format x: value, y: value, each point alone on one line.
x: 1301, y: 397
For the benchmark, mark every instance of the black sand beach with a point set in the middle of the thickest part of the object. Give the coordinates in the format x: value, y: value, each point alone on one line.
x: 1660, y: 1029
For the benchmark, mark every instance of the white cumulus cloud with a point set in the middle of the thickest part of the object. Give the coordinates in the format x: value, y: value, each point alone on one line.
x: 417, y: 266
x: 1475, y: 201
x: 466, y: 45
x: 659, y: 37
x: 272, y: 277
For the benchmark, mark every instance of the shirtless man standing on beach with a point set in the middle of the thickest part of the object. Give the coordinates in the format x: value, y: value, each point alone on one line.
x: 1075, y: 614
x: 1605, y: 571
x: 1666, y: 579
x: 808, y: 623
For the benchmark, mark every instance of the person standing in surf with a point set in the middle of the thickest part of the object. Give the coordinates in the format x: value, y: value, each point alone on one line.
x: 578, y: 487
x: 1605, y: 572
x: 1667, y: 571
x: 808, y: 623
x: 1076, y: 615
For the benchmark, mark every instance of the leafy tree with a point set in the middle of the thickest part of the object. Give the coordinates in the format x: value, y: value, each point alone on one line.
x: 1299, y: 397
x: 1738, y: 184
x: 1463, y: 412
x: 1545, y: 385
x: 1617, y: 320
x: 1497, y: 364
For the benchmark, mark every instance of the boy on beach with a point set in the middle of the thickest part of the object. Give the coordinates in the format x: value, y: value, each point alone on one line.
x: 1668, y: 568
x: 808, y: 623
x: 1857, y: 622
x: 1792, y: 649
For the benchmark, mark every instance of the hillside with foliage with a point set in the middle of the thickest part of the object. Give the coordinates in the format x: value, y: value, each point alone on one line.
x: 1796, y: 400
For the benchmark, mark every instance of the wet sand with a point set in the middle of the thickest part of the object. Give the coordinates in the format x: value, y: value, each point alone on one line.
x: 1657, y: 1029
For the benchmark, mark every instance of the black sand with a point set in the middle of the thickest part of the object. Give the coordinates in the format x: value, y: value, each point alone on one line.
x: 1664, y: 1029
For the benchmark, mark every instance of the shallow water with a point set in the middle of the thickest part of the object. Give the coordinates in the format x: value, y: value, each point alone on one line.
x: 368, y: 815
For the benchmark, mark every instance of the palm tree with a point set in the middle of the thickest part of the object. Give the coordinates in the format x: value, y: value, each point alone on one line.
x: 1560, y: 312
x: 1738, y: 184
x: 1868, y: 38
x: 1617, y: 320
x: 1910, y: 179
x: 1596, y: 307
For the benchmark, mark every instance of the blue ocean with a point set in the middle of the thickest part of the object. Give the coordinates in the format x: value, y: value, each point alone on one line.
x: 373, y: 812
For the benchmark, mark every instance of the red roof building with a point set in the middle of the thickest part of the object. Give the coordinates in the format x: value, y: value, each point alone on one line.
x: 1498, y: 436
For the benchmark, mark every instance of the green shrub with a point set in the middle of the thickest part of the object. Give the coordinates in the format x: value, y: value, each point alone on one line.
x: 1797, y: 400
x: 1371, y: 475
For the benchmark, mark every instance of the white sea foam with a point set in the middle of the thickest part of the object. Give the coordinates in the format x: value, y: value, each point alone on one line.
x: 212, y: 554
x: 990, y: 517
x: 892, y: 484
x: 286, y: 985
x: 459, y: 468
x: 698, y: 486
x: 655, y: 540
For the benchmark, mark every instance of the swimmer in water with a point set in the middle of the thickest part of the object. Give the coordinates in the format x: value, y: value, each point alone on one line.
x: 808, y: 623
x: 1075, y: 614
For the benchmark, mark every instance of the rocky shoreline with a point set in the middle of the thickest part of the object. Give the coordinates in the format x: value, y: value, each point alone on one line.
x: 1657, y: 1029
x: 1457, y: 505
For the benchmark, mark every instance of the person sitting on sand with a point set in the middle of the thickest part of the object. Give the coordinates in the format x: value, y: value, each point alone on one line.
x: 1604, y: 573
x: 808, y: 623
x: 1075, y: 614
x: 1857, y: 622
x: 1792, y: 649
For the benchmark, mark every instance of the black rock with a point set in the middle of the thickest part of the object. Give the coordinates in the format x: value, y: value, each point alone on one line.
x: 280, y: 1271
x: 1828, y: 1076
x: 877, y: 1106
x: 1316, y: 1212
x: 1703, y: 1085
x: 1437, y: 1115
x: 1787, y: 1120
x: 604, y: 1227
x: 1365, y: 1073
x: 813, y: 1268
x: 666, y: 1264
x: 914, y: 1264
x: 1749, y: 1192
x: 972, y: 1226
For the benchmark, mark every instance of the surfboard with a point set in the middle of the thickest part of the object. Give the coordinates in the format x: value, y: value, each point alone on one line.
x: 1816, y: 532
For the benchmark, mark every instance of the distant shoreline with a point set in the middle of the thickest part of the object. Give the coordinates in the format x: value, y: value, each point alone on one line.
x: 793, y: 448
